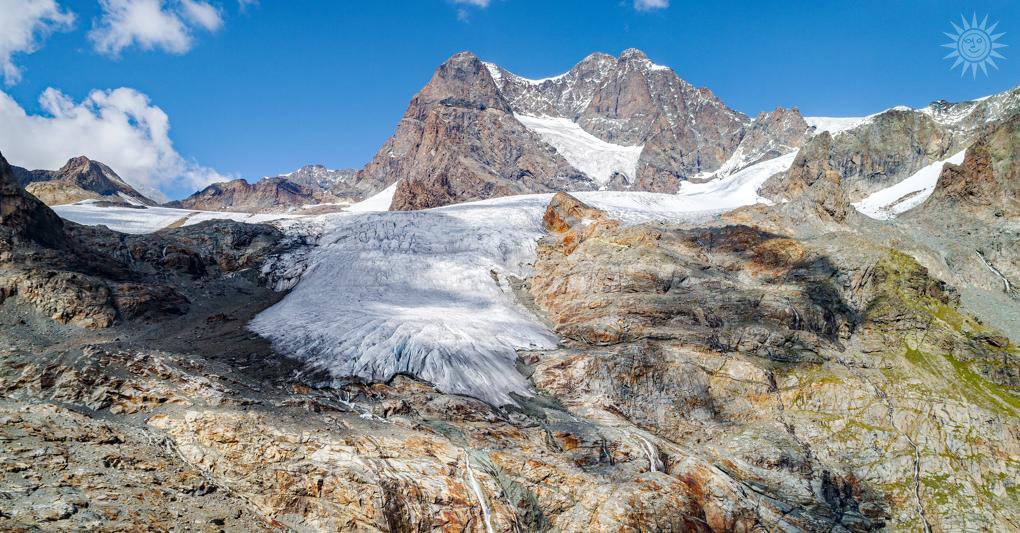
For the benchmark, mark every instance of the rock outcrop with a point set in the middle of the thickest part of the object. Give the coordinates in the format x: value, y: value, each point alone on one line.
x: 785, y: 359
x: 79, y: 179
x: 318, y: 178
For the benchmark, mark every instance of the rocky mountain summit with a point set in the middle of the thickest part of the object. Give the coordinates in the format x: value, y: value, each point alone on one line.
x: 80, y: 179
x: 470, y: 133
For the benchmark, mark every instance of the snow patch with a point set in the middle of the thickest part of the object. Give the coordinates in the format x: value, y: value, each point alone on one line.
x: 907, y: 194
x: 497, y: 76
x: 737, y: 189
x: 381, y: 201
x: 129, y: 199
x: 589, y: 154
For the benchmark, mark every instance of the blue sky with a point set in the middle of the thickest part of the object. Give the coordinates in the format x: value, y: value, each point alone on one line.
x: 282, y: 83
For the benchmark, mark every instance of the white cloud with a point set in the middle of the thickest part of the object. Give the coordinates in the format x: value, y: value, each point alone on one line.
x: 119, y: 127
x: 245, y: 4
x: 23, y: 24
x: 151, y: 24
x: 202, y: 14
x: 648, y: 5
x: 476, y: 3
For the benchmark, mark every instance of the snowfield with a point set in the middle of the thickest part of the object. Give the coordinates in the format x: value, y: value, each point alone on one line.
x: 907, y: 194
x: 150, y: 219
x: 585, y: 152
x: 835, y: 125
x: 737, y: 189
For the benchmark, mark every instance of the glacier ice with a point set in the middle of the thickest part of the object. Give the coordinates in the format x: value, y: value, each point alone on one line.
x: 425, y: 293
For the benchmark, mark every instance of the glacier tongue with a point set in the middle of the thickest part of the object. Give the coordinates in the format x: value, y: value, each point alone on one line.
x: 425, y: 292
x: 413, y: 292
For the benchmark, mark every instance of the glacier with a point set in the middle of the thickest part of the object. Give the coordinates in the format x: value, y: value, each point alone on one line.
x: 138, y: 220
x: 428, y: 293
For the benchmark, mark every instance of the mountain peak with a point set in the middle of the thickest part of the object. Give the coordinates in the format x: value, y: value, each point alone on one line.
x: 632, y: 53
x: 465, y: 56
x: 75, y: 163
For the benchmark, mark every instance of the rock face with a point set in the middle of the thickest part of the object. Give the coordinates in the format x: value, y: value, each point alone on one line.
x: 771, y: 135
x: 987, y: 184
x: 265, y: 196
x: 23, y: 218
x: 631, y: 101
x: 894, y: 144
x: 460, y: 138
x: 79, y: 179
x: 812, y: 183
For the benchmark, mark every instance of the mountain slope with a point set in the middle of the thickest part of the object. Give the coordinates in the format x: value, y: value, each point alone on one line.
x: 79, y: 179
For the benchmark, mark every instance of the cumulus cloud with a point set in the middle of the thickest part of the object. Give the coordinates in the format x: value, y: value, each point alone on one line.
x: 119, y: 127
x: 23, y: 25
x: 648, y: 5
x: 152, y: 24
